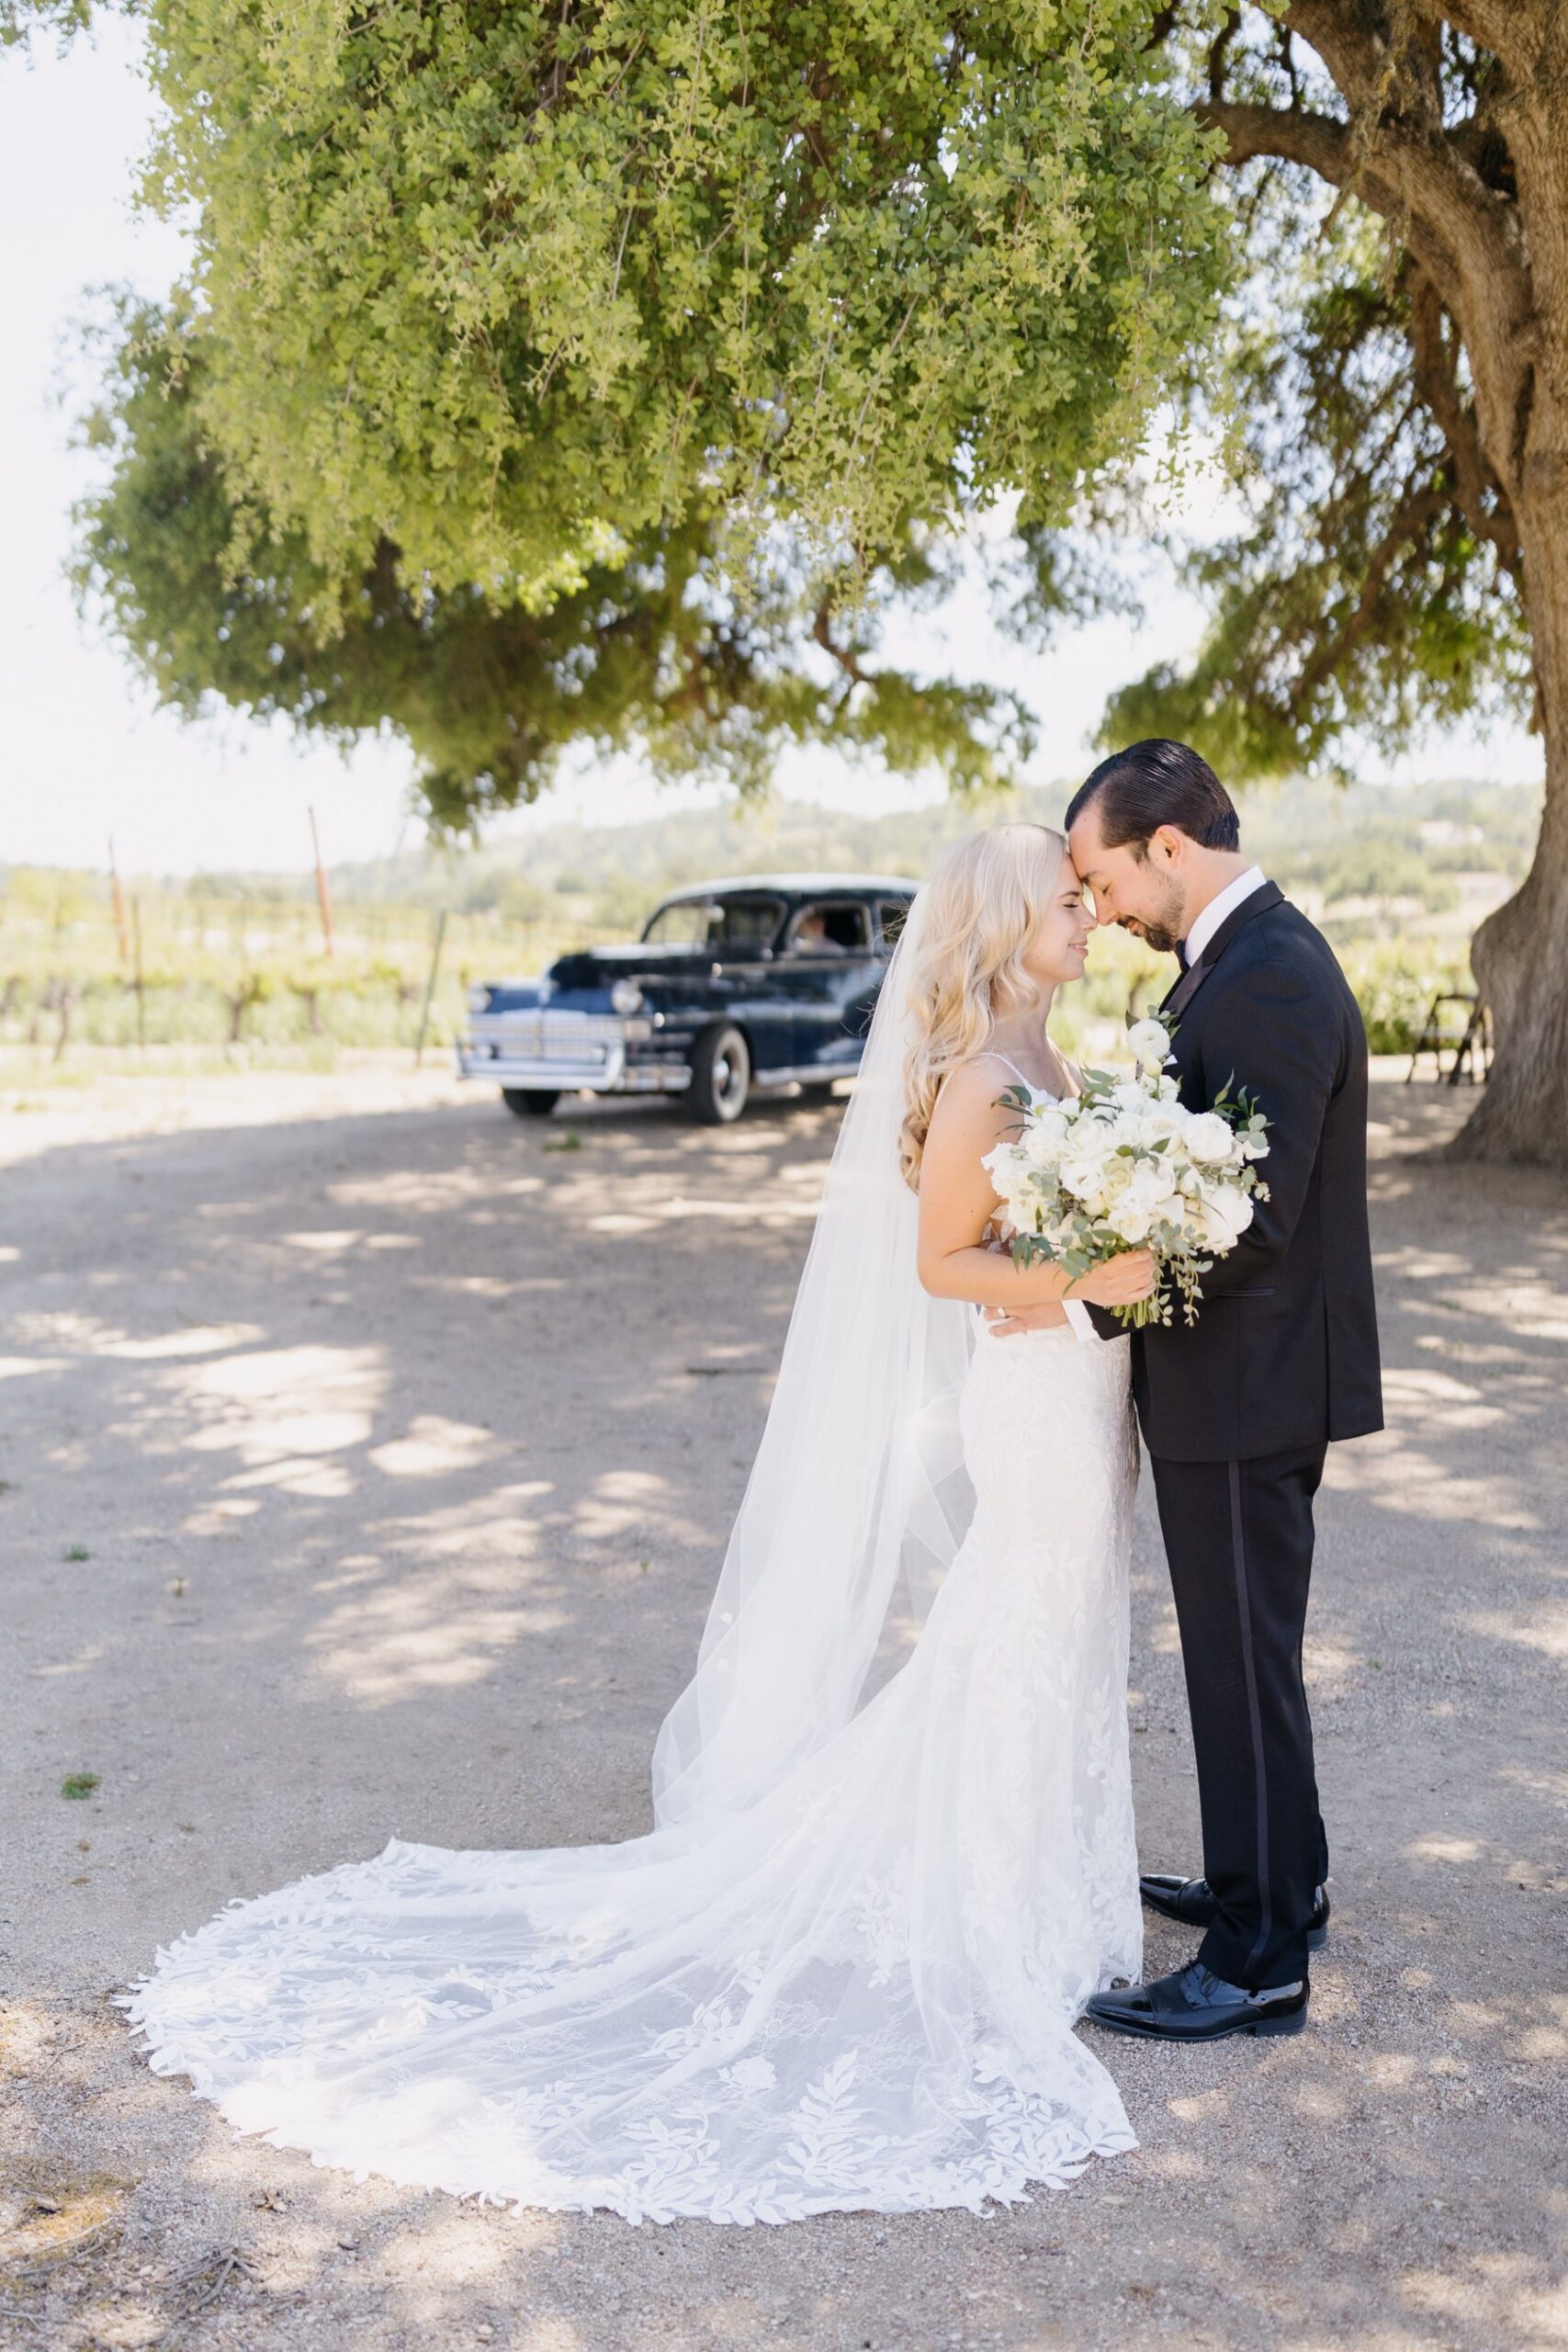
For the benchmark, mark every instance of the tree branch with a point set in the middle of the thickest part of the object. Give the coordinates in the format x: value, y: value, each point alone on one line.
x: 1291, y: 134
x: 1474, y: 479
x: 1410, y: 518
x: 1512, y: 29
x: 1397, y: 131
x: 1321, y: 144
x: 844, y: 655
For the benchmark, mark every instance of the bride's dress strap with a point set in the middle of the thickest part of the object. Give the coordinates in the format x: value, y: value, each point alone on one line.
x: 994, y: 1054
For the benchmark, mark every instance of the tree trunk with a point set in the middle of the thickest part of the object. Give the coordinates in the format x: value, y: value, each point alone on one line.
x: 1520, y: 953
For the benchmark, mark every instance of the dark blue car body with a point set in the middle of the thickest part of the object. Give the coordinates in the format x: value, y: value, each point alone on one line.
x: 735, y: 988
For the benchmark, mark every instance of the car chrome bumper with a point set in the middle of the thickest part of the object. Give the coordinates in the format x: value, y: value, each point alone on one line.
x: 570, y: 1073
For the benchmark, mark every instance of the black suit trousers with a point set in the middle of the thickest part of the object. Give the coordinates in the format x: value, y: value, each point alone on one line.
x: 1238, y: 1536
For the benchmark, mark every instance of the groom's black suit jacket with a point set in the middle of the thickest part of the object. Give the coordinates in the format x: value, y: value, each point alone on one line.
x: 1284, y: 1352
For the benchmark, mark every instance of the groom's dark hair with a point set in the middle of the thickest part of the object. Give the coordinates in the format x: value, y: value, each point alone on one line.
x: 1153, y: 783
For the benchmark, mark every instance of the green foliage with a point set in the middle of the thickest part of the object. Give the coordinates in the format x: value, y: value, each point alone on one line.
x: 23, y: 21
x: 515, y: 288
x: 652, y: 650
x: 78, y: 1784
x: 615, y: 374
x: 1395, y: 981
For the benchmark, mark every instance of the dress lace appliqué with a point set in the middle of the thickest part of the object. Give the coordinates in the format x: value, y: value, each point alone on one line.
x: 858, y: 1994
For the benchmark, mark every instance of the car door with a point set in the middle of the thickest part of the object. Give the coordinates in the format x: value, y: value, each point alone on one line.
x: 830, y: 968
x: 743, y: 981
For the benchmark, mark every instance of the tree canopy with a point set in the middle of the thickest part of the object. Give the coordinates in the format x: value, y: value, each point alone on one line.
x: 511, y: 286
x: 652, y: 649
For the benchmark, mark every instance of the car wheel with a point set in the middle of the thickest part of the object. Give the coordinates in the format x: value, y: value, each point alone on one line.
x: 721, y: 1076
x: 529, y: 1101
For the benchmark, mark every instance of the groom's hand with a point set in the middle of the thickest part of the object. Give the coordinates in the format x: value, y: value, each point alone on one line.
x: 1006, y: 1321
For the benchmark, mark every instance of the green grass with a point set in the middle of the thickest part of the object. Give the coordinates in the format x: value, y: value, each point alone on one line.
x: 78, y: 1784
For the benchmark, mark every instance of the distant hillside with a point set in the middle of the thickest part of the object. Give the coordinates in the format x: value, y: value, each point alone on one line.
x: 1328, y: 844
x: 1424, y: 849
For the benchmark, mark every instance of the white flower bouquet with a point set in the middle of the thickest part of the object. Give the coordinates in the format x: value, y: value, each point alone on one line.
x: 1125, y: 1165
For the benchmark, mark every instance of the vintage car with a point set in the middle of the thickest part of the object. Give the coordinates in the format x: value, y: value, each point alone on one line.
x: 734, y: 989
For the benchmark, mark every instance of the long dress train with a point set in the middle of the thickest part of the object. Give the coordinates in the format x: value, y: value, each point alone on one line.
x: 859, y: 1993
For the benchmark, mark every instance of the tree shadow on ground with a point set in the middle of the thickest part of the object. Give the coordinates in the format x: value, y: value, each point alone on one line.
x: 403, y: 1450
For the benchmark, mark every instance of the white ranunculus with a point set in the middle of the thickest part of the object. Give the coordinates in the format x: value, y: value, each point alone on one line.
x: 1209, y: 1139
x: 1130, y: 1221
x: 1128, y: 1095
x: 1148, y: 1045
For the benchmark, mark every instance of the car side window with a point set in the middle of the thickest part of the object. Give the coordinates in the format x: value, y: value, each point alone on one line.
x: 892, y: 915
x: 685, y: 924
x: 746, y: 926
x: 831, y: 926
x: 740, y: 926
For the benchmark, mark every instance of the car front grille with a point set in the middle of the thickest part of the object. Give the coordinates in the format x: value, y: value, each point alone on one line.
x: 547, y: 1036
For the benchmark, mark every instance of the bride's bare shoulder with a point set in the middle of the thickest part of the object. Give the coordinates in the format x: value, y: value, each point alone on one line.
x: 971, y: 1094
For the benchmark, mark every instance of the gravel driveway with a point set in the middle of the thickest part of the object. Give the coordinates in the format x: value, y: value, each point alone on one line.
x: 368, y: 1457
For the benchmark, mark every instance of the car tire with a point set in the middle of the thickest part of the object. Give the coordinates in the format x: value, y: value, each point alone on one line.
x: 721, y: 1076
x: 529, y: 1101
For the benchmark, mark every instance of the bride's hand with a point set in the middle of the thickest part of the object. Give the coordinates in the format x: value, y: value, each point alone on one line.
x: 1118, y: 1282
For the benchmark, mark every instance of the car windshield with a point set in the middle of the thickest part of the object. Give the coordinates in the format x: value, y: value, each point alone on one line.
x: 741, y: 926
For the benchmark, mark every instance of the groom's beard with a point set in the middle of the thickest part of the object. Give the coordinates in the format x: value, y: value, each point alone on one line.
x: 1165, y: 927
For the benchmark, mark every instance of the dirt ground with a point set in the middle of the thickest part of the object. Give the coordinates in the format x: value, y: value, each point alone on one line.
x: 368, y: 1460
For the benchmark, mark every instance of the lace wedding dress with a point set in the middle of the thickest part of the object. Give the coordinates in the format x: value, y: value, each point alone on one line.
x: 843, y: 1970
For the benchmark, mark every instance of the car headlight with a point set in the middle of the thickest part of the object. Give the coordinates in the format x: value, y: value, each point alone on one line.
x: 625, y: 996
x: 479, y: 999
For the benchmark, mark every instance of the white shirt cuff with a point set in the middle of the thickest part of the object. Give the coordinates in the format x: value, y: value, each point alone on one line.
x: 1078, y: 1315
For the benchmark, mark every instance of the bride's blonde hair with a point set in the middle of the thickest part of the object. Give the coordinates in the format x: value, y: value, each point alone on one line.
x: 983, y: 902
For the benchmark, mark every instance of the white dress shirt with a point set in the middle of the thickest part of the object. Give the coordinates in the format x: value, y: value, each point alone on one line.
x: 1205, y: 925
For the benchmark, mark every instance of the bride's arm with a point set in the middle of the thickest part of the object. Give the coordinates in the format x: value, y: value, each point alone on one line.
x: 957, y: 1202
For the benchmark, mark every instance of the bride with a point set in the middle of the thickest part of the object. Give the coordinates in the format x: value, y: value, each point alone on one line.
x: 893, y: 1851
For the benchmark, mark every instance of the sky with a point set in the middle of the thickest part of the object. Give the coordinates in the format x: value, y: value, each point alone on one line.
x: 86, y: 754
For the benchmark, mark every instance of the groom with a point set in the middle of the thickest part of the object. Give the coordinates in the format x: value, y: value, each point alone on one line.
x: 1237, y: 1411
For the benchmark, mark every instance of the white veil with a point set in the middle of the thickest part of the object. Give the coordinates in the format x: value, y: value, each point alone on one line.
x: 857, y: 1499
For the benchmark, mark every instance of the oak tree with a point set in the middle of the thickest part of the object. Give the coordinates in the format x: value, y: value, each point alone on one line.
x: 1397, y: 357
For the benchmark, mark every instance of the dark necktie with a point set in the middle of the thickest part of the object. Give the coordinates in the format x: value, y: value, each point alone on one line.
x: 1181, y: 953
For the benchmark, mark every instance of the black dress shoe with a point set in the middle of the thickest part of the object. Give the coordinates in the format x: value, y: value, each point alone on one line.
x: 1197, y: 2006
x: 1191, y: 1901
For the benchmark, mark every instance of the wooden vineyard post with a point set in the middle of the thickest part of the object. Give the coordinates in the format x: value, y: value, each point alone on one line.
x: 138, y: 980
x: 119, y: 896
x: 430, y: 987
x: 323, y: 896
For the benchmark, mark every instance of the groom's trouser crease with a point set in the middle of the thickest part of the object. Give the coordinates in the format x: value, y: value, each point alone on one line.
x: 1239, y: 1539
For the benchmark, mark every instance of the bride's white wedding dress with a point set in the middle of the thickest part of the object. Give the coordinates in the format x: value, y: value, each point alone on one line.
x: 851, y: 1985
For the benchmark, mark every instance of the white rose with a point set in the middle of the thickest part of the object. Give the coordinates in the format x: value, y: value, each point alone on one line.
x: 1085, y: 1178
x: 1209, y: 1139
x: 1148, y: 1045
x: 1130, y: 1220
x: 1042, y: 1146
x: 1226, y: 1214
x: 1128, y: 1095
